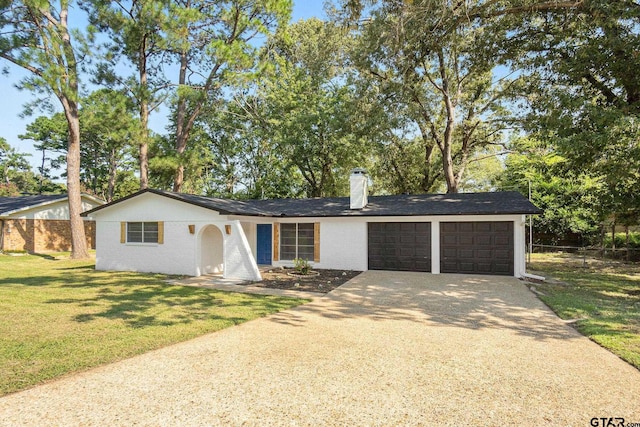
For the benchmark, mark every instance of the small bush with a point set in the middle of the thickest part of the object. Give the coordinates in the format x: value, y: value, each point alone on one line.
x: 301, y: 265
x: 621, y: 240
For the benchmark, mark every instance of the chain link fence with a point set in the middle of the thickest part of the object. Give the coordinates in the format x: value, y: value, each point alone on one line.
x: 619, y: 254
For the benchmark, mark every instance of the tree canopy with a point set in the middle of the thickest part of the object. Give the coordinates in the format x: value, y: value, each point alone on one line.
x: 428, y: 95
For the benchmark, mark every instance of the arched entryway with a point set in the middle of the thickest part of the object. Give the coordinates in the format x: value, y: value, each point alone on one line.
x: 211, y: 250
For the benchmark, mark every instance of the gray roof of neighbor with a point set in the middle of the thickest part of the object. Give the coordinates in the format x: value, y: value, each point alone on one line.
x: 16, y: 203
x: 498, y: 203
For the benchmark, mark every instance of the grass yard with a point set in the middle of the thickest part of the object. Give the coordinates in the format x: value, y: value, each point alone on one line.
x: 603, y: 295
x: 59, y: 316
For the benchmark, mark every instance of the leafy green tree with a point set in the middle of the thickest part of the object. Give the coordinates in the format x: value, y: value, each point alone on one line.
x: 18, y: 178
x: 310, y: 105
x: 35, y: 35
x: 136, y: 39
x: 108, y: 125
x: 214, y: 45
x: 49, y: 135
x: 421, y: 56
x: 571, y: 199
x: 582, y: 93
x: 243, y: 161
x: 15, y: 171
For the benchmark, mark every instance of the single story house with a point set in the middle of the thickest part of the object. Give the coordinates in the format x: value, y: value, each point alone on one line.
x: 40, y: 223
x: 174, y: 233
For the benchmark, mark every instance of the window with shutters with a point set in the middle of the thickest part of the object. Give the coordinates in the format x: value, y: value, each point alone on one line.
x: 142, y: 232
x: 297, y: 241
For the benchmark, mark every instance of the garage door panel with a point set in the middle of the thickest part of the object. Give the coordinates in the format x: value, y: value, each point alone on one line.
x: 465, y: 267
x: 482, y: 240
x: 423, y: 229
x: 405, y: 264
x: 464, y: 253
x: 376, y: 264
x: 481, y: 247
x: 482, y: 227
x: 484, y: 267
x: 390, y: 240
x: 503, y: 226
x: 448, y: 253
x: 503, y: 268
x: 502, y: 241
x: 402, y: 246
x: 448, y: 227
x: 449, y: 239
x: 449, y: 266
x: 484, y: 254
x: 502, y: 254
x: 407, y: 252
x: 408, y: 239
x: 464, y: 239
x: 377, y: 241
x: 406, y: 227
x: 387, y: 252
x: 423, y: 252
x: 465, y: 227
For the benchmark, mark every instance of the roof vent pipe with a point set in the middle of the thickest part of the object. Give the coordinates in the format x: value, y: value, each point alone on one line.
x: 358, y: 182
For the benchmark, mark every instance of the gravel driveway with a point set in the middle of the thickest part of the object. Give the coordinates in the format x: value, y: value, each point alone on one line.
x: 384, y: 349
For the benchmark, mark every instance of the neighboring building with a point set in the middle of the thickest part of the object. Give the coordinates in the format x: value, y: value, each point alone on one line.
x: 173, y: 233
x: 40, y: 223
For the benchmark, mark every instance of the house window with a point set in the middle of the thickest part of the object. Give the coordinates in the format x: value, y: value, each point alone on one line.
x: 297, y: 241
x: 142, y: 232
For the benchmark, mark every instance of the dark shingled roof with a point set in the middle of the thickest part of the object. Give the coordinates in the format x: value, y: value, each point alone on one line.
x: 12, y: 204
x: 499, y: 203
x: 405, y: 205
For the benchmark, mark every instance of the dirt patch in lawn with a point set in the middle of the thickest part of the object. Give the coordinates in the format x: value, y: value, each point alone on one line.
x: 320, y: 280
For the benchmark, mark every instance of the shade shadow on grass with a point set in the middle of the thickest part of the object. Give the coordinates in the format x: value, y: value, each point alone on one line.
x: 60, y: 316
x: 165, y: 305
x: 602, y: 300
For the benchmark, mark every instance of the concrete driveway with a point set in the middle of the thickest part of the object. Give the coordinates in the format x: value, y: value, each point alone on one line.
x: 384, y: 349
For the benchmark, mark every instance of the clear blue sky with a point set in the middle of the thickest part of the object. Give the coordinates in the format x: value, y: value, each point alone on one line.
x: 11, y: 125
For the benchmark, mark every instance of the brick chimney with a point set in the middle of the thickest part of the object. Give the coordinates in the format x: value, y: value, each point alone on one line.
x: 358, y: 183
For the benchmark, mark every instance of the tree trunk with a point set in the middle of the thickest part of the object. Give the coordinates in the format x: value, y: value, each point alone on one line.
x: 428, y: 177
x: 113, y: 171
x: 42, y: 172
x: 613, y: 235
x: 181, y: 134
x: 68, y: 97
x: 78, y: 237
x: 603, y: 235
x: 447, y: 138
x: 626, y: 240
x: 144, y: 117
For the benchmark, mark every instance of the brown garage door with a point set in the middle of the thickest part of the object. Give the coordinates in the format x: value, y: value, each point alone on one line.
x: 403, y: 246
x: 476, y: 247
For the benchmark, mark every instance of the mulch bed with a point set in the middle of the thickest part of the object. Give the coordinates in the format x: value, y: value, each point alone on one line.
x: 320, y: 280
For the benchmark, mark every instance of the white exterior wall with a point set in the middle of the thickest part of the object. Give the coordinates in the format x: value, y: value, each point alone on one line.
x: 344, y: 243
x: 343, y: 240
x: 519, y: 246
x: 57, y: 210
x: 176, y: 256
x: 251, y: 233
x: 239, y: 260
x: 181, y: 251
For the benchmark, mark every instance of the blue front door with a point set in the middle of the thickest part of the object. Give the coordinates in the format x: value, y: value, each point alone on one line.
x: 264, y: 244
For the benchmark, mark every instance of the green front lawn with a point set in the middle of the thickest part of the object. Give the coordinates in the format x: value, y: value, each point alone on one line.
x: 59, y: 316
x: 603, y: 296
